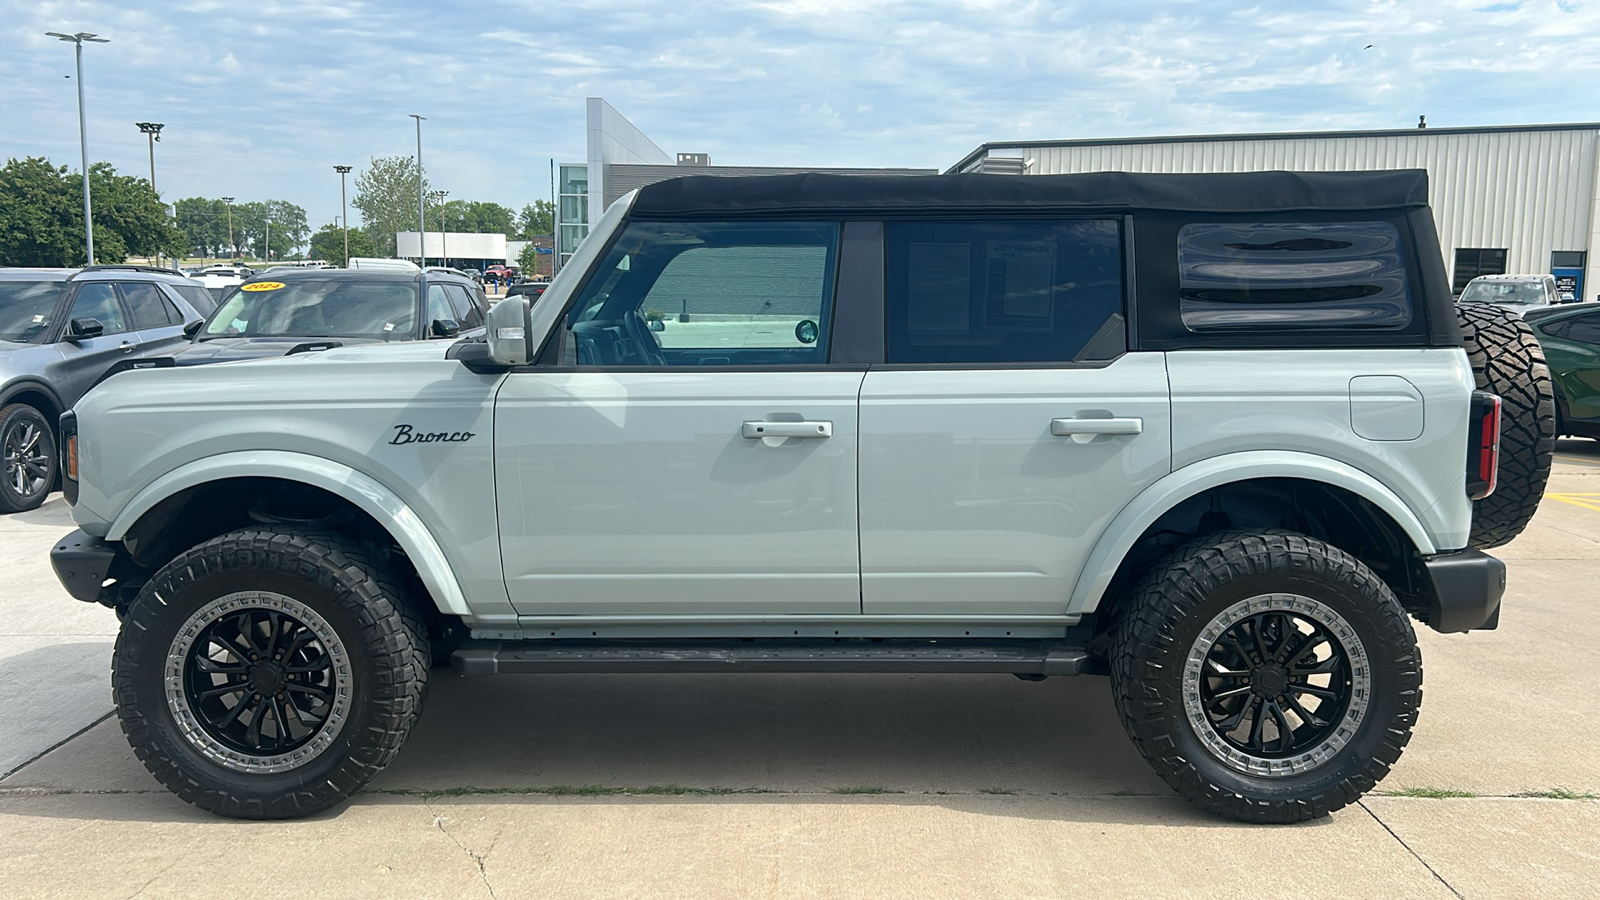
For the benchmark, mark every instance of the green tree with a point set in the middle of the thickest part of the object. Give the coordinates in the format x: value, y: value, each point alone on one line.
x: 41, y: 223
x: 288, y: 231
x: 386, y: 194
x: 537, y: 218
x: 41, y: 215
x: 204, y: 223
x: 528, y: 260
x: 328, y: 244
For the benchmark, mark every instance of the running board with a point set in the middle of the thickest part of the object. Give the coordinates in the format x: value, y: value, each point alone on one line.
x: 1026, y: 657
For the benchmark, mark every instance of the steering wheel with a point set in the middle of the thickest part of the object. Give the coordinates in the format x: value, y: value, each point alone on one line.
x: 649, y: 352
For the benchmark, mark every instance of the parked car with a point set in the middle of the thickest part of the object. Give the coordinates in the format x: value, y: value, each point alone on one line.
x: 1515, y: 292
x: 533, y: 290
x: 1219, y: 436
x: 61, y: 331
x: 290, y: 310
x: 1570, y: 336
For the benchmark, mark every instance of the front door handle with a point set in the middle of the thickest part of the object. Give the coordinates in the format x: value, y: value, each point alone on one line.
x: 129, y: 346
x: 756, y: 430
x: 1064, y: 427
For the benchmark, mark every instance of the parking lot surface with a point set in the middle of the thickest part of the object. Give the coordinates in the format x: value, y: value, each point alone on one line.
x: 839, y: 786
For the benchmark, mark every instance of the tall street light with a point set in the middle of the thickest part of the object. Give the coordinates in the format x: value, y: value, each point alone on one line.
x: 422, y: 227
x: 229, y: 202
x: 344, y: 212
x: 83, y: 135
x: 153, y: 131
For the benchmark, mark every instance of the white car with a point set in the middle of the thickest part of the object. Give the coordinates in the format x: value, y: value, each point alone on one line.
x: 1518, y: 293
x: 1216, y: 436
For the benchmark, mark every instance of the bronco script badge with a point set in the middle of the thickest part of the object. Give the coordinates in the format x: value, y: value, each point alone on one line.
x: 403, y: 434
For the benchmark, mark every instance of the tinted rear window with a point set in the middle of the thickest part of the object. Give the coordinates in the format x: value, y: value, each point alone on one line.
x: 1244, y: 277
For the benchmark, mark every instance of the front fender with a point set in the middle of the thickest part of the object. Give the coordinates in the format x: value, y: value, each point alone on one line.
x: 1190, y: 480
x: 336, y: 478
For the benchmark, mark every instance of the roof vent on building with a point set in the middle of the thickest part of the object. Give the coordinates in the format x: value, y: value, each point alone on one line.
x: 694, y: 159
x: 1003, y: 165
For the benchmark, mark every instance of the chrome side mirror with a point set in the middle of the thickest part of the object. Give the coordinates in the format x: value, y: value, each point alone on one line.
x: 508, y: 332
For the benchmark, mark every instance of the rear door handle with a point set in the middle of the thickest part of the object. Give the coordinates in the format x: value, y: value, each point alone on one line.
x: 1064, y: 427
x: 756, y: 430
x: 129, y: 346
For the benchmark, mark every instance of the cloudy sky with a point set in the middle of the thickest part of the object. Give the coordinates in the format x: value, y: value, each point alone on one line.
x: 261, y: 99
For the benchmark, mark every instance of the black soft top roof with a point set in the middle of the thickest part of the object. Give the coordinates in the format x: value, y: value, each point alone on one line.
x: 703, y: 195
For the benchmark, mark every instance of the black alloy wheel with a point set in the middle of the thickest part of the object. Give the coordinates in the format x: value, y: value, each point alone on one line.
x: 27, y: 458
x: 264, y: 681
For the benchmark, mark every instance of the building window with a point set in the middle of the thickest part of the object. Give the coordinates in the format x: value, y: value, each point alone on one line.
x: 572, y: 211
x: 1472, y: 262
x: 1568, y: 259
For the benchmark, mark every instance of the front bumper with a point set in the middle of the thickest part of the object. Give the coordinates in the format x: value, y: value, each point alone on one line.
x: 1467, y: 587
x: 84, y: 563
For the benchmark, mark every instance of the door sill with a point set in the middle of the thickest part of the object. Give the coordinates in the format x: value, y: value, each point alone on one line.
x: 743, y: 626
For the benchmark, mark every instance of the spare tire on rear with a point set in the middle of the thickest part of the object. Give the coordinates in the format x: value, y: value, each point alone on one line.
x: 1508, y: 361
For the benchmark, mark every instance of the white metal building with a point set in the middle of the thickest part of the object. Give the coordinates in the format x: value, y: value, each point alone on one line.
x: 1518, y: 199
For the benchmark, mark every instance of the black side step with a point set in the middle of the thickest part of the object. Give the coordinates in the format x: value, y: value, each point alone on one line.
x: 1019, y: 657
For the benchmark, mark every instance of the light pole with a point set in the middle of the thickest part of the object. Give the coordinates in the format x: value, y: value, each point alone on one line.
x: 344, y: 212
x: 444, y: 245
x: 83, y: 135
x: 153, y: 131
x: 231, y: 249
x: 422, y: 227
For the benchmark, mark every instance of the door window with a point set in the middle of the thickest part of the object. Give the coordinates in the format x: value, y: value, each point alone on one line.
x: 439, y: 307
x: 98, y: 300
x: 149, y: 309
x: 1004, y: 292
x: 1584, y: 329
x: 695, y: 294
x: 467, y: 311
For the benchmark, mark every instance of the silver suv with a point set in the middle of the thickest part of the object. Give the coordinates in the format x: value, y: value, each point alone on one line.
x: 61, y: 331
x: 1219, y: 437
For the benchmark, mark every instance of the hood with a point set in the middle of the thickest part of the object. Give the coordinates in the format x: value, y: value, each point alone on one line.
x: 228, y: 349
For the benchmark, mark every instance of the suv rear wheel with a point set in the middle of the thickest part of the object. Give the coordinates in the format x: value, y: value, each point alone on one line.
x: 1268, y: 677
x: 27, y: 458
x: 268, y: 674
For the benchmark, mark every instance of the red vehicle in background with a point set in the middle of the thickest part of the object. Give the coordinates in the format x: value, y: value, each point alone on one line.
x: 499, y: 274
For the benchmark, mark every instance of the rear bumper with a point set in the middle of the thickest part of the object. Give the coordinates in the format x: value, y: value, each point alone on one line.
x: 83, y: 563
x: 1467, y: 587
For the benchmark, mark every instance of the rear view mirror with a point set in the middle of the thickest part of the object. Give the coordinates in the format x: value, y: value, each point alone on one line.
x: 508, y: 332
x: 83, y: 329
x: 445, y: 328
x: 190, y: 329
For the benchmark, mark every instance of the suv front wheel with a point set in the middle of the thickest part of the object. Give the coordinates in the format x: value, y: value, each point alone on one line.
x: 27, y: 458
x: 1268, y: 677
x: 267, y: 674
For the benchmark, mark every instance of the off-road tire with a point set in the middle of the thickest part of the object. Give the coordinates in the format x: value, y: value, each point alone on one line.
x: 13, y: 419
x: 1508, y: 361
x: 382, y: 638
x: 1179, y: 599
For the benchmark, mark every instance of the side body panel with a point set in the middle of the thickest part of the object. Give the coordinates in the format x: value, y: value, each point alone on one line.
x: 1309, y: 401
x: 969, y: 503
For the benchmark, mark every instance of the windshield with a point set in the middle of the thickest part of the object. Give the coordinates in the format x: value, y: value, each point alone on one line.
x: 1524, y: 292
x: 27, y: 309
x: 383, y: 310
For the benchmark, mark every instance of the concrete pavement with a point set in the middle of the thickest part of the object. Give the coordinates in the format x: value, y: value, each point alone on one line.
x: 712, y: 786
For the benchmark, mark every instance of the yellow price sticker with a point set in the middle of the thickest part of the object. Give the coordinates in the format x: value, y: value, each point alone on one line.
x: 262, y: 286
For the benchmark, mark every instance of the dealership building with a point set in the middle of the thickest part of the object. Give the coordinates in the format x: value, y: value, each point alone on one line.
x: 1511, y: 199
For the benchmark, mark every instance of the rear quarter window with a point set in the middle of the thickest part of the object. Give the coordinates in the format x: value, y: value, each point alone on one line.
x: 1275, y: 277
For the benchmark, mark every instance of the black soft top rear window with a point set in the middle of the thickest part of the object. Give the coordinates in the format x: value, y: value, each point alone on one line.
x: 1283, y: 276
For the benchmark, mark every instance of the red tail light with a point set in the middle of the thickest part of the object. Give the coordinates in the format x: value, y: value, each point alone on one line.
x: 1483, y: 446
